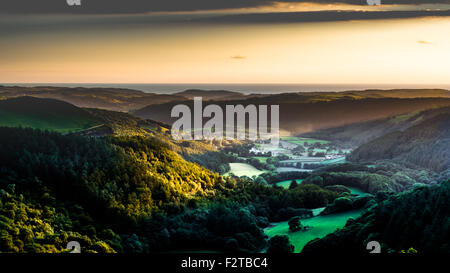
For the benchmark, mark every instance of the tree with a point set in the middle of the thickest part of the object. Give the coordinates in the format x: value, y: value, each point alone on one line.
x: 293, y: 184
x: 299, y: 150
x: 410, y: 250
x: 294, y: 224
x: 261, y: 180
x: 280, y: 244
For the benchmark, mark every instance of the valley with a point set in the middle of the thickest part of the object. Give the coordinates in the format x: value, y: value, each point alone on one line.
x: 224, y: 135
x: 154, y: 193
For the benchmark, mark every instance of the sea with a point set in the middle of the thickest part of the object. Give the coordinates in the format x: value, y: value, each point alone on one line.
x: 163, y: 88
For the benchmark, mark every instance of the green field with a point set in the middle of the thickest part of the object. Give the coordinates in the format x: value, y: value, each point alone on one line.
x: 52, y: 123
x: 302, y: 140
x: 401, y: 118
x: 286, y: 183
x: 317, y: 211
x: 320, y: 226
x: 357, y: 191
x: 44, y: 114
x: 241, y: 169
x: 334, y: 161
x: 261, y: 159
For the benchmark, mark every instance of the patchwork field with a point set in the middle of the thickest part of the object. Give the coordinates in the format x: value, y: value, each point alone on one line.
x: 241, y: 169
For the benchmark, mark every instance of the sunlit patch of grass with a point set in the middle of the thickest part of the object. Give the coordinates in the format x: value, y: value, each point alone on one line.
x: 286, y: 183
x: 243, y: 169
x: 319, y: 227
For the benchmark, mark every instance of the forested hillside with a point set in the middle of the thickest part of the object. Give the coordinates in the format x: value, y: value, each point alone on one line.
x: 113, y: 180
x: 418, y: 219
x: 129, y: 194
x: 300, y: 113
x: 384, y: 176
x: 356, y: 134
x: 131, y: 176
x: 60, y: 116
x: 426, y: 144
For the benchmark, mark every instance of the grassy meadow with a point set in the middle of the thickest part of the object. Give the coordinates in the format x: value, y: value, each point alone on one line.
x: 241, y: 169
x: 320, y: 226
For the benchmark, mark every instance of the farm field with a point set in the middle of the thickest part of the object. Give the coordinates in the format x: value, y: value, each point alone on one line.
x: 286, y: 183
x: 357, y: 191
x: 320, y: 226
x: 241, y: 169
x: 57, y: 124
x: 334, y: 161
x: 261, y: 159
x: 290, y: 169
x: 44, y: 114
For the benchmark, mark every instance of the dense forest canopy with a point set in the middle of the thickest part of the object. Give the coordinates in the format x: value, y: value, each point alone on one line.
x: 129, y: 194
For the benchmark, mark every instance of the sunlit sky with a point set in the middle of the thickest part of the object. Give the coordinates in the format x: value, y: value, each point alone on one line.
x: 160, y: 48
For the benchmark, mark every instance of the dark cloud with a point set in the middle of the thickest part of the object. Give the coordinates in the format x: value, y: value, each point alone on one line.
x: 238, y: 57
x: 11, y: 26
x: 320, y: 16
x: 16, y: 25
x: 120, y: 6
x: 140, y: 6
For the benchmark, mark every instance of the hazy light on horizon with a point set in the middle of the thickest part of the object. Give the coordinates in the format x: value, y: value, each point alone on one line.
x: 411, y: 51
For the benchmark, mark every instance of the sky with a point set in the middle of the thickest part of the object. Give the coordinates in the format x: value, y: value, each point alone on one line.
x: 218, y: 41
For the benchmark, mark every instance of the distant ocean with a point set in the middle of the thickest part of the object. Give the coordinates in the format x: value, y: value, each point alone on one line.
x: 243, y: 88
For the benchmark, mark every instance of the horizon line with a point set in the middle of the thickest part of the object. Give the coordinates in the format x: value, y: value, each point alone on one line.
x: 219, y: 83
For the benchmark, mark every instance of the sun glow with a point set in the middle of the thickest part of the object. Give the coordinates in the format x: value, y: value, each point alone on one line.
x: 383, y: 51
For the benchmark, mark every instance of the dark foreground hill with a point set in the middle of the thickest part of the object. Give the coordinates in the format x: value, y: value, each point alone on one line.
x: 418, y: 219
x: 48, y: 114
x: 52, y: 187
x: 426, y: 144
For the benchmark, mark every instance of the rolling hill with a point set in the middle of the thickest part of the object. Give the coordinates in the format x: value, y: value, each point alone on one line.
x: 121, y: 99
x: 357, y: 134
x: 401, y: 93
x: 47, y: 114
x: 210, y: 94
x: 302, y: 114
x: 426, y: 144
x: 115, y: 99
